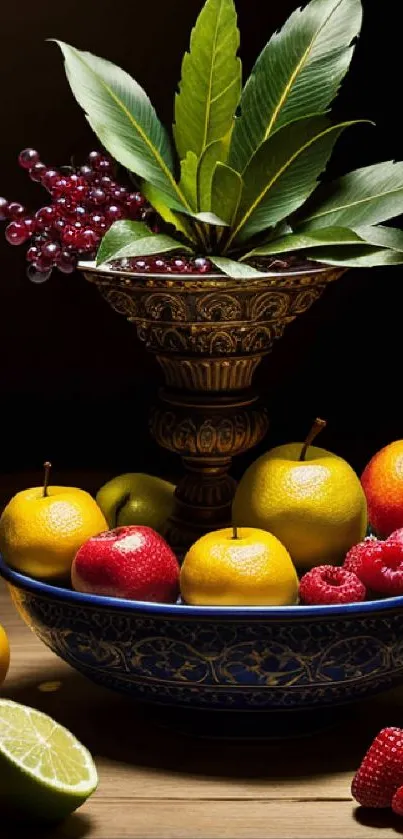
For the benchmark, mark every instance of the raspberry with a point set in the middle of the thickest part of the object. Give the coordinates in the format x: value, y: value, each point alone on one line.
x: 396, y: 536
x: 382, y: 568
x: 380, y: 776
x: 327, y: 584
x: 355, y: 555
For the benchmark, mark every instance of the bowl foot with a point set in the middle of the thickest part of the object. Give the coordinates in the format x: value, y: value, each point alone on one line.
x: 247, y: 725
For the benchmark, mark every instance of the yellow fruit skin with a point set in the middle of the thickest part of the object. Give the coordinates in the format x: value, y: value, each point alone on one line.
x: 4, y: 655
x: 253, y: 570
x: 316, y: 508
x: 41, y: 536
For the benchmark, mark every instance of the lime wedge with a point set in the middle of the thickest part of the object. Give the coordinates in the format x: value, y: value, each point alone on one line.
x: 44, y: 771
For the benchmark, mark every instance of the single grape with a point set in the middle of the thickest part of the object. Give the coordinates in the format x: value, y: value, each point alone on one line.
x: 202, y: 265
x: 49, y: 178
x: 16, y: 210
x: 114, y: 212
x: 37, y: 276
x: 66, y: 262
x: 97, y: 196
x: 43, y: 262
x: 45, y: 217
x: 94, y: 157
x: 27, y: 158
x: 51, y: 250
x: 37, y: 172
x: 118, y: 193
x: 59, y: 187
x: 3, y: 209
x: 86, y: 172
x: 105, y: 166
x: 16, y: 233
x: 79, y: 192
x: 87, y: 240
x: 69, y: 236
x: 135, y: 202
x: 98, y: 222
x: 32, y: 253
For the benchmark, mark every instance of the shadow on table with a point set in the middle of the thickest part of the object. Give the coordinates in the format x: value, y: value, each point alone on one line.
x: 379, y: 819
x: 76, y: 826
x: 114, y: 727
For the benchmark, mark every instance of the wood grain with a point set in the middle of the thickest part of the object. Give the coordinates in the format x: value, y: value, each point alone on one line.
x: 159, y: 784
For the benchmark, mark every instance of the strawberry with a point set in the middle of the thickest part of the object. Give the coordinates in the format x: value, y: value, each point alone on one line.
x: 396, y: 536
x: 380, y: 776
x: 397, y: 802
x: 327, y: 584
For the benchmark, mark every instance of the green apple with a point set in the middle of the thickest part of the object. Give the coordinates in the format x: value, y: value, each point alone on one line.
x: 136, y: 498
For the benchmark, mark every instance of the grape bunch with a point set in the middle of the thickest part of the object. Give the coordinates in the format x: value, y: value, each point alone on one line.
x: 85, y: 202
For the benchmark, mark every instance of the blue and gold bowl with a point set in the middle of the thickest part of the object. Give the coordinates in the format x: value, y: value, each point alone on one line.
x: 233, y: 659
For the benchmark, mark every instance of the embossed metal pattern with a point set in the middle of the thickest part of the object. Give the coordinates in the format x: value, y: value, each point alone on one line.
x: 228, y: 664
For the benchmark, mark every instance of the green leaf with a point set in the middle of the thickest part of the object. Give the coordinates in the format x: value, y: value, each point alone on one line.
x: 364, y: 197
x: 211, y: 218
x: 188, y: 181
x: 214, y: 153
x: 351, y: 257
x: 302, y: 241
x: 226, y: 192
x: 297, y: 74
x: 236, y: 270
x: 383, y: 237
x: 210, y: 87
x: 283, y: 173
x: 181, y: 223
x: 134, y: 238
x: 121, y: 114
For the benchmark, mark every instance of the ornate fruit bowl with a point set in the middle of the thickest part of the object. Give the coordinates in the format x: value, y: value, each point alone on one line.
x: 287, y: 659
x: 209, y: 333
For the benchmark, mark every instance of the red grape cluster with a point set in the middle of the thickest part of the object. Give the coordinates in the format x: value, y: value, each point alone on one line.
x: 85, y: 202
x: 179, y: 264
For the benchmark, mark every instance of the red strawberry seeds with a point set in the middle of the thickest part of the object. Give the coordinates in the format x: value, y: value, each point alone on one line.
x: 326, y: 584
x: 380, y: 776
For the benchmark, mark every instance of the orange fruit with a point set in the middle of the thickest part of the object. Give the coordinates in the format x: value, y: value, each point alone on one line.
x: 382, y: 481
x: 252, y: 570
x: 4, y: 655
x: 40, y: 535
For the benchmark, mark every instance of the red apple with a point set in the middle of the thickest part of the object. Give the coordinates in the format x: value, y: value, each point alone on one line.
x: 130, y: 562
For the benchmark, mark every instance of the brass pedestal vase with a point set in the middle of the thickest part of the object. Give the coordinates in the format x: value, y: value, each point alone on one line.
x: 209, y: 334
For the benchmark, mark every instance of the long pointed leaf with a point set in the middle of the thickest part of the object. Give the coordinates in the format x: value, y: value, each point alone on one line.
x: 283, y: 174
x: 351, y: 257
x: 214, y: 153
x: 236, y: 270
x: 134, y: 238
x: 188, y: 181
x: 210, y: 87
x: 121, y: 114
x: 298, y: 73
x: 181, y: 223
x: 383, y: 237
x: 302, y: 241
x: 364, y: 197
x: 226, y: 192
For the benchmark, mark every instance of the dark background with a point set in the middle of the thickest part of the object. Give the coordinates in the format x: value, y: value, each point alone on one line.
x: 76, y: 385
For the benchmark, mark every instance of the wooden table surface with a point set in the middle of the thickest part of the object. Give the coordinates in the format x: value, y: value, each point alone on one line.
x: 157, y: 784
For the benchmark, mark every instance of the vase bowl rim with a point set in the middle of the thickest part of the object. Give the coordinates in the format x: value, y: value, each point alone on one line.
x: 182, y: 612
x: 90, y: 267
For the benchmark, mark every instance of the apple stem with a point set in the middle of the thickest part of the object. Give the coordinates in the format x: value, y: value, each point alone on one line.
x: 318, y: 426
x: 47, y: 467
x: 235, y: 532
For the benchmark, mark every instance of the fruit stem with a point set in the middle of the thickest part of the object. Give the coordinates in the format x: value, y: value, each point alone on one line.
x: 235, y: 532
x: 318, y: 426
x: 47, y: 467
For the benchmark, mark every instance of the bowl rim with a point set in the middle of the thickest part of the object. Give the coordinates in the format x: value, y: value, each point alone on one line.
x: 90, y: 267
x: 170, y: 610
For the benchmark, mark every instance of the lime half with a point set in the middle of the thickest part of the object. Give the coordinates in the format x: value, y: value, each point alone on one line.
x: 44, y: 771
